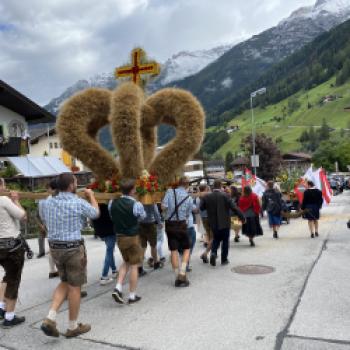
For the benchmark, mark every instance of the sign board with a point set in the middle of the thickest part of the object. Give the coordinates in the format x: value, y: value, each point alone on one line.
x: 255, y: 161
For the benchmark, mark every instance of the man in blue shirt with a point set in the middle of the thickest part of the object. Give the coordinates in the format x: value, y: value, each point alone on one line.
x: 178, y: 206
x: 64, y: 216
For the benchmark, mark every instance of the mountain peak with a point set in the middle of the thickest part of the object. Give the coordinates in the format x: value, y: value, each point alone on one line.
x: 334, y: 6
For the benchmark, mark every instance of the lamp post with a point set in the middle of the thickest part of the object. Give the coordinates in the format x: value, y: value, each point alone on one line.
x: 252, y: 95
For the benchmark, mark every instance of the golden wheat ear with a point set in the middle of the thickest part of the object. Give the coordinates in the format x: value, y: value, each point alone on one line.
x: 125, y: 115
x: 182, y: 110
x: 78, y: 123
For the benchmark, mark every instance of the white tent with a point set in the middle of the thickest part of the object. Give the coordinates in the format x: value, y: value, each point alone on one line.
x: 38, y: 166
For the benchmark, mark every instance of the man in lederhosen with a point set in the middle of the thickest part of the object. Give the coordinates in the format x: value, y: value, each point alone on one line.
x: 63, y: 216
x: 178, y: 206
x: 11, y: 256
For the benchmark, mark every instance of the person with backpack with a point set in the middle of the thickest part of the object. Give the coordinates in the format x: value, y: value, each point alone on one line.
x: 272, y: 203
x: 178, y: 206
x: 103, y: 227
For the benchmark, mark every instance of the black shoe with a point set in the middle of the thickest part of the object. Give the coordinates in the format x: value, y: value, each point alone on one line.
x: 157, y: 265
x: 212, y: 260
x: 142, y: 272
x: 182, y: 282
x: 162, y: 260
x: 118, y: 296
x: 236, y: 239
x: 204, y: 258
x: 40, y: 255
x: 252, y: 244
x: 14, y: 322
x: 132, y: 301
x: 312, y: 235
x: 225, y: 262
x: 316, y: 234
x: 83, y: 294
x: 150, y: 262
x: 53, y: 275
x: 275, y: 235
x: 2, y: 314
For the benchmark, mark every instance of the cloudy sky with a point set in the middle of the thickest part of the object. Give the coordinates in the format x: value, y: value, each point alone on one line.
x: 47, y: 45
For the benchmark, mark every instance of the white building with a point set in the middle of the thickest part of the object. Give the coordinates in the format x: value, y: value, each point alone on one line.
x: 17, y: 112
x: 45, y: 142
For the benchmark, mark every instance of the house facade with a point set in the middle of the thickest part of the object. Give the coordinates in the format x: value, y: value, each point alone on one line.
x: 17, y: 113
x: 45, y: 142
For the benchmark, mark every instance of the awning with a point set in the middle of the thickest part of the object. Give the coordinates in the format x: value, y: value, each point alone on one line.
x: 38, y: 166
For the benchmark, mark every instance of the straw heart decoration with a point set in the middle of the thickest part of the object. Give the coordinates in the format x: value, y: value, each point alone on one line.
x: 133, y: 119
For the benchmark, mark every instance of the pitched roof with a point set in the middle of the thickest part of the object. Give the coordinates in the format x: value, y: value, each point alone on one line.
x: 36, y: 133
x: 240, y: 161
x: 298, y: 155
x: 17, y: 102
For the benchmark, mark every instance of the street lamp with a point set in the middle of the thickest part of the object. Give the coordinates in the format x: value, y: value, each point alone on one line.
x: 252, y: 95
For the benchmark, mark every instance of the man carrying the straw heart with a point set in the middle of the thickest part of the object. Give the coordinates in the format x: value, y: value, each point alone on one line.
x: 63, y: 216
x: 126, y: 213
x: 178, y: 206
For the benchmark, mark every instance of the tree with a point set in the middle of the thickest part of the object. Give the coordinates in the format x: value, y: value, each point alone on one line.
x: 214, y: 140
x: 270, y: 157
x: 293, y: 105
x: 332, y: 151
x: 228, y: 161
x: 324, y: 132
x: 313, y: 140
x: 344, y: 74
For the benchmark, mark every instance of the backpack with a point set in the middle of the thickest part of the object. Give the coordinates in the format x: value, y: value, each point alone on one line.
x: 272, y: 205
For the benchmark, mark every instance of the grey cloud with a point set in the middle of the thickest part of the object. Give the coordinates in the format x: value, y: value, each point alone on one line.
x: 46, y: 46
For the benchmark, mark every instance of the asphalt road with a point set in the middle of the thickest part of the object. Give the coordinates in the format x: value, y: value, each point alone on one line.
x: 303, y: 304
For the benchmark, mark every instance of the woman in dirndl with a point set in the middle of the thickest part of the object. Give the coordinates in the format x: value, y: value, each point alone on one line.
x: 312, y: 203
x: 250, y: 206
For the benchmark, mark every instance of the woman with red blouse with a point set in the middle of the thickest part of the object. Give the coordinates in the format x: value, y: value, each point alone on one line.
x: 250, y: 206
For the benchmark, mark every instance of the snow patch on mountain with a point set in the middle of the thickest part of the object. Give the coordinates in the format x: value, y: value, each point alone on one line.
x: 338, y: 8
x: 187, y: 63
x: 227, y: 83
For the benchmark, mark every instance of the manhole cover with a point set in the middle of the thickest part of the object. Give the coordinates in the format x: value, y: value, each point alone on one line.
x: 253, y: 269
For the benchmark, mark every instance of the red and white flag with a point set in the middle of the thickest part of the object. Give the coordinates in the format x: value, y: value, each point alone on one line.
x: 321, y: 182
x: 319, y: 178
x: 258, y: 185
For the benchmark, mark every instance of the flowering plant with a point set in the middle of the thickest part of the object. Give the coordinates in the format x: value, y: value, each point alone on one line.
x: 147, y: 183
x: 107, y: 186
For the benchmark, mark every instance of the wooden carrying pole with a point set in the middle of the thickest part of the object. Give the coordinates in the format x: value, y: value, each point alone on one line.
x: 100, y: 197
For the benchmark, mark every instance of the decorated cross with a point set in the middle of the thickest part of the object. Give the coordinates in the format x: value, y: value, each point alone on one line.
x: 138, y: 67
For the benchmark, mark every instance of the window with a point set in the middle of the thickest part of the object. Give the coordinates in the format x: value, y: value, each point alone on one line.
x: 56, y: 145
x: 51, y: 145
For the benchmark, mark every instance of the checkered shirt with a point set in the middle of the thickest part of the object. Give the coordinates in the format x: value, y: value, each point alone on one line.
x: 185, y: 209
x: 64, y: 216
